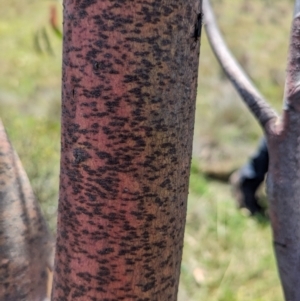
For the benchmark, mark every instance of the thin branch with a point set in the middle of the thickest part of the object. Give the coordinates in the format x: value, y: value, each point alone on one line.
x: 255, y: 101
x: 292, y: 87
x: 297, y: 8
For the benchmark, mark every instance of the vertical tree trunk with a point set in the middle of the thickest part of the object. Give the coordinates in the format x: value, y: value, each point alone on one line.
x: 129, y: 89
x: 283, y: 181
x: 25, y: 242
x: 283, y: 138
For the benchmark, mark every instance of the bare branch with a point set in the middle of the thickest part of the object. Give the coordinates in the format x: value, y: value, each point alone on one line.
x: 255, y: 101
x: 297, y: 8
x: 292, y: 88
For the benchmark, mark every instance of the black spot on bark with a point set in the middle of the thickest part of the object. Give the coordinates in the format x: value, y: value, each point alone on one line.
x: 80, y: 155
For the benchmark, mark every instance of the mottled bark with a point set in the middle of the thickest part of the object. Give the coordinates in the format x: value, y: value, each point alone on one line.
x: 283, y: 138
x: 26, y: 245
x: 129, y: 89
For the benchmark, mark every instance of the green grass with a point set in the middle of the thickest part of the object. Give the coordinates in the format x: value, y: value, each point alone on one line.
x: 38, y: 144
x: 227, y: 255
x: 30, y: 84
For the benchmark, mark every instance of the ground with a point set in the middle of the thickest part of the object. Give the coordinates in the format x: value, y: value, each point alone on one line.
x: 227, y: 255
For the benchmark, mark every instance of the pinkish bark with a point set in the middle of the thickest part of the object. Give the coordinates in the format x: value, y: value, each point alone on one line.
x: 129, y: 89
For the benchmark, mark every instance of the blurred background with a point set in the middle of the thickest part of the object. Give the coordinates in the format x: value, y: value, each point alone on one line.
x: 228, y: 255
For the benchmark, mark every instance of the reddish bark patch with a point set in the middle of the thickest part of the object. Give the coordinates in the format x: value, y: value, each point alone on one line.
x: 129, y: 89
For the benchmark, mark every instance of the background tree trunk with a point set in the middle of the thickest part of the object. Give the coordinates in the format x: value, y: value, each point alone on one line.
x: 283, y: 181
x: 283, y: 139
x: 129, y: 90
x: 26, y: 245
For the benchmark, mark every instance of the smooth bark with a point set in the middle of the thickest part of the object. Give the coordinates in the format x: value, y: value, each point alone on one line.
x: 251, y: 96
x: 283, y: 182
x: 283, y: 138
x: 129, y: 90
x: 26, y: 246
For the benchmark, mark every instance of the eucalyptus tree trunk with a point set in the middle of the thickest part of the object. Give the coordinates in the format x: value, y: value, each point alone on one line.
x: 283, y: 139
x: 25, y: 242
x: 129, y: 90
